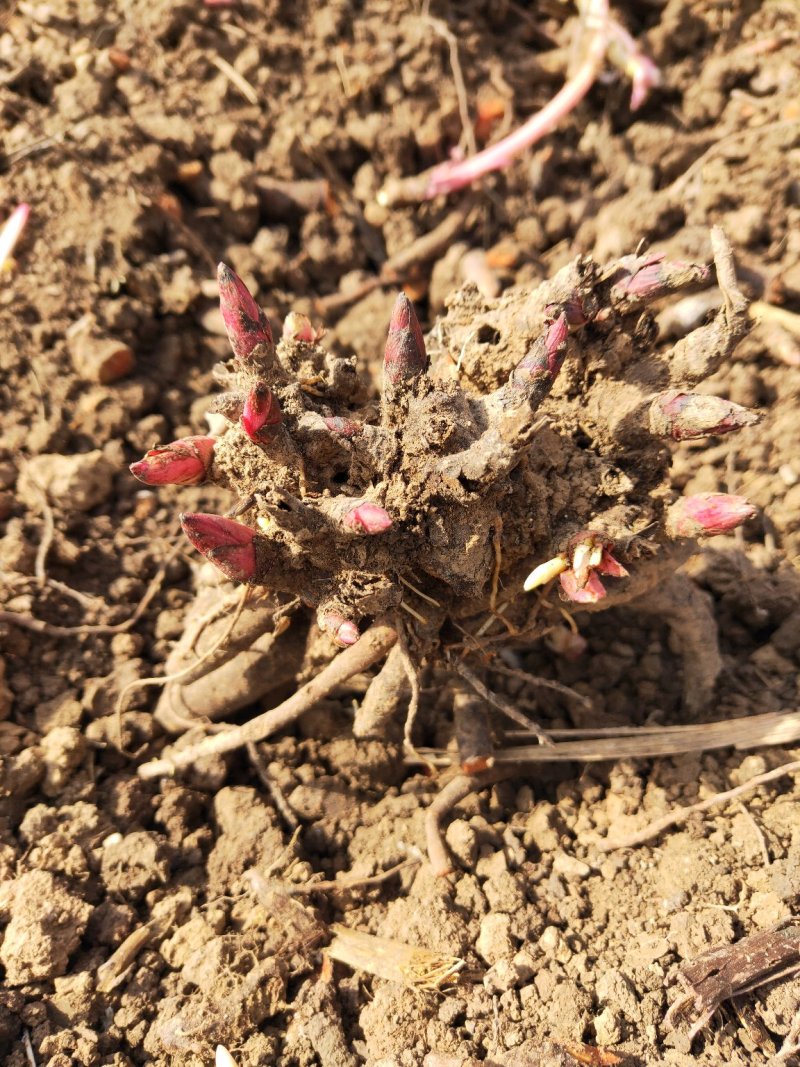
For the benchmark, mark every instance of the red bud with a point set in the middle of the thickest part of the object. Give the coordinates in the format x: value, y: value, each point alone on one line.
x: 344, y: 427
x: 589, y: 593
x: 247, y: 325
x: 404, y: 357
x: 540, y: 365
x: 687, y: 416
x: 342, y: 630
x: 228, y: 544
x: 705, y: 514
x: 184, y: 462
x: 261, y: 415
x: 649, y: 277
x: 297, y: 327
x: 368, y: 518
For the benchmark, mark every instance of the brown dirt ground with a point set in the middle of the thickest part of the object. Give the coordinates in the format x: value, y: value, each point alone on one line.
x: 145, y: 162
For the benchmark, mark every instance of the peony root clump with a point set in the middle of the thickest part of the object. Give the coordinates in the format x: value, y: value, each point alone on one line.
x: 515, y: 465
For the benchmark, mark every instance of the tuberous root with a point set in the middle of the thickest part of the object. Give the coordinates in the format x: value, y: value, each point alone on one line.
x: 184, y: 462
x: 706, y: 514
x: 228, y: 544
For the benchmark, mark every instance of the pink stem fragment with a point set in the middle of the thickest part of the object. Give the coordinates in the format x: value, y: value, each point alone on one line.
x: 448, y: 177
x: 606, y: 39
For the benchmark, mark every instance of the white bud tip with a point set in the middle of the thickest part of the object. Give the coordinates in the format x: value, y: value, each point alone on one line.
x: 545, y: 573
x: 223, y: 1058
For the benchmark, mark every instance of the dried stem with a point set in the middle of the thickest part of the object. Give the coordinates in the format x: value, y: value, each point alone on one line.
x: 272, y: 787
x: 458, y: 78
x: 773, y: 728
x: 680, y: 815
x: 427, y: 247
x: 368, y: 650
x: 28, y: 622
x: 541, y: 683
x: 501, y: 703
x: 348, y: 882
x: 642, y: 742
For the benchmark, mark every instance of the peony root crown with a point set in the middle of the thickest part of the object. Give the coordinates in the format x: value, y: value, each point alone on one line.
x: 464, y: 482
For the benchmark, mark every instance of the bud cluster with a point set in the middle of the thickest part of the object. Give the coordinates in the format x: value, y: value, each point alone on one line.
x: 350, y: 513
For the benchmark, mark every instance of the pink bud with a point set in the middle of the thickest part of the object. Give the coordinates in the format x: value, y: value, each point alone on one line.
x: 368, y: 518
x: 687, y: 416
x: 247, y: 325
x: 229, y: 545
x: 652, y: 276
x: 574, y: 307
x: 344, y: 427
x: 625, y: 53
x: 540, y: 365
x: 297, y: 327
x: 184, y: 462
x: 261, y: 414
x: 590, y: 593
x: 610, y: 566
x: 404, y: 357
x: 342, y: 630
x: 645, y: 76
x: 705, y: 514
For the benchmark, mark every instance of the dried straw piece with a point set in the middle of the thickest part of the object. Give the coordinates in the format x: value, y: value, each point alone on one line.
x: 679, y: 815
x: 773, y: 728
x: 418, y: 968
x: 729, y: 970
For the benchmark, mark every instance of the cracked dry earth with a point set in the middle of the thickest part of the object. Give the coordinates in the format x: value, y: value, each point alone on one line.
x: 131, y: 933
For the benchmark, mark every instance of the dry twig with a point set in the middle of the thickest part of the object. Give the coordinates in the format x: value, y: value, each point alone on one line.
x: 393, y: 960
x: 348, y: 882
x: 501, y: 703
x: 680, y: 815
x: 28, y: 622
